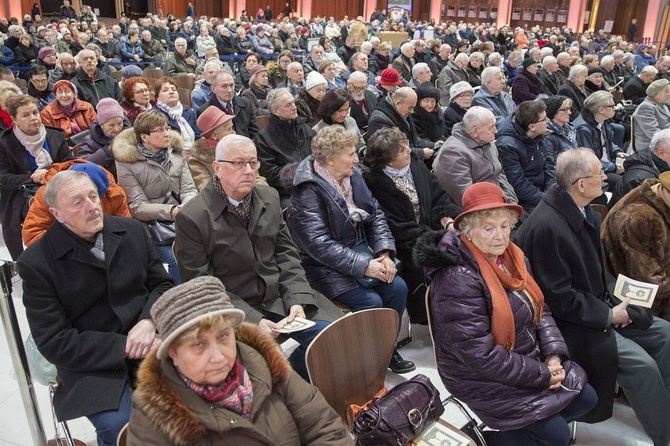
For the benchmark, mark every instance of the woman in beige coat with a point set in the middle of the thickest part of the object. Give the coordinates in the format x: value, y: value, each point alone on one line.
x: 150, y: 167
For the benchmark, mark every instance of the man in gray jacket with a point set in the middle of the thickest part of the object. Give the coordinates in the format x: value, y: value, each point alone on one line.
x: 450, y: 74
x: 492, y: 96
x: 470, y: 156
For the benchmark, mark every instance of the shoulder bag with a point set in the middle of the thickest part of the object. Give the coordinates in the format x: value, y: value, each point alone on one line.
x: 162, y: 232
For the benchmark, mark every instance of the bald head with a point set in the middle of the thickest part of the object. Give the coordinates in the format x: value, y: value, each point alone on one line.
x: 404, y: 100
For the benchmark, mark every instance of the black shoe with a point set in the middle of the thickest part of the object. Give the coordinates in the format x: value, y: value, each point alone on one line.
x: 399, y: 365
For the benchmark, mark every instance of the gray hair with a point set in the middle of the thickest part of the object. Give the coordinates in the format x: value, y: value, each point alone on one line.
x: 419, y: 68
x: 405, y: 46
x: 445, y: 46
x: 178, y: 39
x: 293, y: 65
x: 470, y: 222
x: 571, y: 165
x: 577, y: 70
x: 233, y: 140
x: 617, y: 53
x: 661, y: 140
x: 217, y: 74
x: 649, y: 70
x: 274, y: 95
x: 489, y: 74
x: 462, y: 57
x: 374, y: 40
x: 562, y: 55
x: 606, y: 60
x: 515, y: 56
x: 475, y: 117
x: 57, y: 182
x: 548, y: 61
x: 217, y: 63
x: 495, y: 56
x: 596, y: 100
x: 357, y: 75
x: 477, y: 55
x: 366, y: 44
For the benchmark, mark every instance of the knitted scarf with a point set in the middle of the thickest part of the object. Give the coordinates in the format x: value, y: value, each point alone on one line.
x: 71, y: 115
x: 175, y: 113
x: 160, y: 157
x: 234, y: 393
x: 34, y: 144
x: 513, y: 277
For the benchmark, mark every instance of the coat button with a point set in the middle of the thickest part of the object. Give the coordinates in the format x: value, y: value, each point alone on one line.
x: 263, y: 305
x: 233, y: 420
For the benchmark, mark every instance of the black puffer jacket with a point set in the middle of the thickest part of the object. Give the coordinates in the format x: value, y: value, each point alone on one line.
x: 506, y: 389
x: 637, y: 168
x: 316, y: 217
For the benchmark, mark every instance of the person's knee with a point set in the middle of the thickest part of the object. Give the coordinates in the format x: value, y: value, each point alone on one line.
x: 556, y: 434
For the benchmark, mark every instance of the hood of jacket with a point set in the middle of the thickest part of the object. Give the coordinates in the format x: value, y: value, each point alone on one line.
x: 642, y: 159
x: 160, y: 402
x: 435, y: 250
x: 125, y: 150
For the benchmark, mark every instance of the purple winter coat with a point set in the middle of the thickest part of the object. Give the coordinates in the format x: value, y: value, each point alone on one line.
x: 527, y: 87
x: 506, y: 389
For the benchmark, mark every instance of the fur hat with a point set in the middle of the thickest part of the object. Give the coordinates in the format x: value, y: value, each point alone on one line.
x: 107, y: 109
x: 597, y: 70
x: 183, y: 306
x: 528, y: 61
x: 427, y: 90
x: 314, y: 78
x: 459, y: 88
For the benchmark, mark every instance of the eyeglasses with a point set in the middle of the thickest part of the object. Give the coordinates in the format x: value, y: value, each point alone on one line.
x: 239, y: 165
x: 610, y: 105
x: 142, y: 91
x: 602, y: 174
x: 160, y: 130
x: 566, y: 110
x: 355, y: 88
x: 546, y: 119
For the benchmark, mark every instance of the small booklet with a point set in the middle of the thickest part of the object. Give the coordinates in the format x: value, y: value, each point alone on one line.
x: 291, y: 327
x: 640, y: 293
x: 441, y: 433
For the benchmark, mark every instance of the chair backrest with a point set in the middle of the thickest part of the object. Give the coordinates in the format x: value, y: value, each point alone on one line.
x: 601, y: 209
x: 184, y: 96
x: 348, y: 360
x: 187, y: 82
x: 632, y: 134
x: 152, y: 73
x: 21, y: 83
x: 117, y: 75
x: 262, y: 120
x: 122, y: 439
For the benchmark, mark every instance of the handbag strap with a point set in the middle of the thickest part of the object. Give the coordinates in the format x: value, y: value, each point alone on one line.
x: 169, y: 194
x: 362, y: 227
x: 353, y: 409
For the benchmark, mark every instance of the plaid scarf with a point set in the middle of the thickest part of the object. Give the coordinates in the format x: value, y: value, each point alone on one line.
x: 160, y: 157
x: 243, y: 210
x: 235, y: 393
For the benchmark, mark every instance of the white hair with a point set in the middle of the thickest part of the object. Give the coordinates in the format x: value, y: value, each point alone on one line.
x: 419, y: 68
x: 548, y: 61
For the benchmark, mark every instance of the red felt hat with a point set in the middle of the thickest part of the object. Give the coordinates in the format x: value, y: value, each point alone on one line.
x: 390, y: 76
x: 482, y: 196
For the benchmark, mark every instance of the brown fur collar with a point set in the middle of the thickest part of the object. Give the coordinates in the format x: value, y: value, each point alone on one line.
x: 203, y: 151
x: 161, y: 404
x: 125, y: 150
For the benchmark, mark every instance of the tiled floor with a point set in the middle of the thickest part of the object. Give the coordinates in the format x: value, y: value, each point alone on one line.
x: 621, y: 430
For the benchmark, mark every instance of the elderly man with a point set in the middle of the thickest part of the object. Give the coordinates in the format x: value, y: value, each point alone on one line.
x: 359, y: 63
x: 367, y: 49
x: 94, y: 326
x: 395, y: 110
x: 363, y: 101
x: 153, y: 50
x: 420, y: 73
x: 612, y: 340
x: 347, y: 50
x: 528, y: 167
x: 645, y: 163
x: 440, y: 60
x: 295, y: 79
x: 663, y: 67
x: 181, y: 62
x: 653, y: 114
x: 636, y: 236
x: 453, y: 73
x: 189, y: 35
x: 404, y: 63
x: 110, y: 50
x: 225, y: 99
x: 635, y: 89
x: 563, y: 60
x: 286, y: 139
x: 470, y: 156
x: 92, y: 84
x: 234, y: 230
x: 224, y: 43
x: 66, y: 69
x: 203, y: 91
x: 610, y: 76
x: 315, y: 58
x: 492, y: 96
x: 548, y: 75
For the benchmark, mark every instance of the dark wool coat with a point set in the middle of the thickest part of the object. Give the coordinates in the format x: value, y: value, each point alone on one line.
x: 386, y: 115
x: 568, y: 261
x: 638, y: 167
x: 630, y: 249
x: 245, y: 118
x: 285, y: 409
x: 452, y: 116
x: 635, y: 90
x: 92, y: 91
x: 357, y: 113
x: 317, y: 217
x: 588, y: 135
x: 576, y: 95
x: 526, y: 87
x: 506, y: 389
x: 80, y: 321
x: 429, y: 126
x: 280, y: 143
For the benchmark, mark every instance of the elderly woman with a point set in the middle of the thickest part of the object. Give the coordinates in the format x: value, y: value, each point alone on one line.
x: 382, y: 56
x: 243, y: 44
x: 527, y: 85
x: 97, y: 146
x: 67, y: 112
x: 258, y: 89
x: 25, y: 53
x: 413, y: 201
x: 212, y: 366
x: 652, y: 114
x: 334, y: 111
x: 27, y: 151
x: 7, y: 90
x: 474, y: 69
x: 38, y: 86
x: 204, y: 41
x: 460, y: 98
x: 329, y: 71
x: 427, y: 116
x: 242, y: 79
x: 215, y: 124
x: 180, y: 118
x: 277, y: 70
x: 310, y: 97
x: 342, y: 233
x: 511, y: 66
x: 497, y: 347
x: 154, y: 174
x: 560, y: 131
x: 136, y: 93
x: 595, y: 80
x: 573, y: 88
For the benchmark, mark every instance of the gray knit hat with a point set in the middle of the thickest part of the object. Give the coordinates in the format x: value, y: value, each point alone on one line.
x: 183, y: 306
x: 656, y: 87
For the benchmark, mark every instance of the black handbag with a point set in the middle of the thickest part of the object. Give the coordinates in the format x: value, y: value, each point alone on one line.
x: 162, y: 232
x: 362, y: 247
x: 398, y: 416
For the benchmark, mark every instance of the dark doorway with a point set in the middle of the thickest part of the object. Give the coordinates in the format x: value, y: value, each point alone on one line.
x: 106, y: 7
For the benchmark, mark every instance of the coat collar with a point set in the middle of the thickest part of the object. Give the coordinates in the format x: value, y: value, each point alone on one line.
x: 561, y: 201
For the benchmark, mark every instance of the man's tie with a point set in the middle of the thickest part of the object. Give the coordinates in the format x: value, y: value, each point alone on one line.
x: 229, y: 109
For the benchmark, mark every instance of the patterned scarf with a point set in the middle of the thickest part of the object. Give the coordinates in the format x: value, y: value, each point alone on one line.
x: 242, y: 211
x: 71, y: 116
x: 345, y: 190
x: 402, y: 178
x: 160, y: 157
x: 175, y: 113
x: 235, y: 393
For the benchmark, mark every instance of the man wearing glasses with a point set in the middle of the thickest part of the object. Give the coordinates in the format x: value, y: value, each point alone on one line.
x: 234, y: 230
x: 612, y: 340
x: 364, y: 101
x: 528, y: 167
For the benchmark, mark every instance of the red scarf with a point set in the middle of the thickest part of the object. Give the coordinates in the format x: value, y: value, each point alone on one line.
x: 6, y: 119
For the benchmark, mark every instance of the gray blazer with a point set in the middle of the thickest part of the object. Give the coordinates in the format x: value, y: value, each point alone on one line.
x: 649, y: 118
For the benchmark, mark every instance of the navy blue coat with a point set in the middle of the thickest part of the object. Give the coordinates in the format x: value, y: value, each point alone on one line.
x: 528, y: 168
x: 190, y: 117
x: 316, y: 217
x: 588, y: 135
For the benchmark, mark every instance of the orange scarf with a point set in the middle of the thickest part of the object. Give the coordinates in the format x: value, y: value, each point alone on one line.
x: 515, y: 277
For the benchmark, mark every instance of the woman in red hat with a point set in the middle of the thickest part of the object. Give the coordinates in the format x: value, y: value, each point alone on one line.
x: 388, y: 82
x: 497, y: 347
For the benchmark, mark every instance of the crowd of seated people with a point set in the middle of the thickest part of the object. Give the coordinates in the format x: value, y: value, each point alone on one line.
x: 436, y: 157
